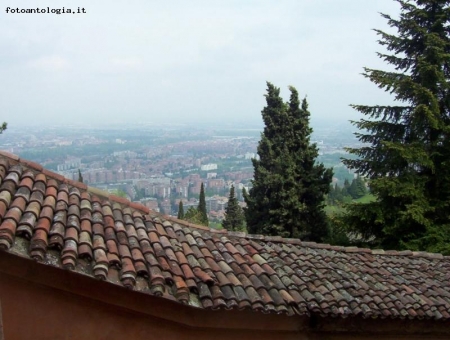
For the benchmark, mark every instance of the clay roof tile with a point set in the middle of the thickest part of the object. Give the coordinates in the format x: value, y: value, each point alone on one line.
x: 180, y: 261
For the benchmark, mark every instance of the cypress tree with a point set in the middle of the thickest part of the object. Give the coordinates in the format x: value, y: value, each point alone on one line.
x: 80, y: 176
x: 202, y: 207
x: 234, y: 216
x: 180, y: 210
x: 407, y: 145
x: 287, y: 197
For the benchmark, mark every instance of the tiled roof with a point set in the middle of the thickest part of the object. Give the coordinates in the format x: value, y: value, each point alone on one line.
x: 63, y: 223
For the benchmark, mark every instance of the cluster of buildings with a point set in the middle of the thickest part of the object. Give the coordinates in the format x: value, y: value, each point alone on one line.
x: 157, y: 170
x: 162, y: 192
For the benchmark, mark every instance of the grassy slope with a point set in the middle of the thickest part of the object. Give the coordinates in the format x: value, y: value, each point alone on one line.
x: 333, y: 209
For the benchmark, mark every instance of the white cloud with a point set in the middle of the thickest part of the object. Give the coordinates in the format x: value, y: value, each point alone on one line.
x: 50, y: 63
x: 213, y: 56
x: 125, y: 64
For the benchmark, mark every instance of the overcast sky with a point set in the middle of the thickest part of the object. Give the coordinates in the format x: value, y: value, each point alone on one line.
x: 181, y: 61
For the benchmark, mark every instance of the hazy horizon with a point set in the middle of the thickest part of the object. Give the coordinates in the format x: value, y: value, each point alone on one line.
x: 147, y: 62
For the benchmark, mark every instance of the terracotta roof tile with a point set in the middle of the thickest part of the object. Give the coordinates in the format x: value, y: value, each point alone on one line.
x: 26, y: 224
x: 9, y: 186
x: 180, y: 261
x: 23, y: 192
x: 37, y: 196
x: 39, y: 244
x: 8, y: 232
x: 5, y: 197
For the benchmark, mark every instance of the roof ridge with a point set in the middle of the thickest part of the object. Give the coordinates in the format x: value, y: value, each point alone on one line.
x: 81, y: 186
x: 278, y: 239
x: 90, y: 231
x: 313, y: 245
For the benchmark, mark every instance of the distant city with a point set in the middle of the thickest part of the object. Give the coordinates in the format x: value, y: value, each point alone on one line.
x: 159, y: 165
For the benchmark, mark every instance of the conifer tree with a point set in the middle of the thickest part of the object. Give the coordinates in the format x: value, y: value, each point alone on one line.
x: 361, y: 189
x: 202, y: 207
x: 244, y: 192
x: 338, y: 196
x: 407, y: 151
x: 234, y: 216
x: 346, y: 187
x: 288, y: 191
x: 3, y: 127
x: 194, y: 216
x: 331, y: 198
x: 180, y: 210
x: 80, y: 176
x: 358, y: 188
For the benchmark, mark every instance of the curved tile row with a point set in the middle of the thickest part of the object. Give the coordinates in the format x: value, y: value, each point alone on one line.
x: 194, y: 266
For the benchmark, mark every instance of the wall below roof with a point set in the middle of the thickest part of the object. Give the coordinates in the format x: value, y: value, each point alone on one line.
x: 32, y: 311
x: 1, y: 322
x: 43, y: 302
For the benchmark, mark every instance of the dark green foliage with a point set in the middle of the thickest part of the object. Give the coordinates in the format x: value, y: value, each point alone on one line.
x: 288, y: 186
x: 346, y: 185
x: 140, y: 193
x: 345, y: 194
x: 333, y: 194
x: 180, y: 210
x: 358, y: 188
x: 348, y: 192
x: 337, y: 195
x: 202, y: 207
x: 3, y: 127
x: 234, y: 216
x: 194, y: 216
x: 407, y: 152
x: 80, y: 176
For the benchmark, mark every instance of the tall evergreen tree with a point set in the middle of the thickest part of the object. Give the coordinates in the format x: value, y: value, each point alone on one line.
x: 234, y: 216
x: 361, y: 189
x: 180, y: 210
x: 358, y: 188
x: 202, y: 207
x: 244, y: 192
x: 80, y: 176
x: 346, y: 187
x: 288, y: 191
x: 331, y: 198
x: 338, y: 195
x: 407, y: 153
